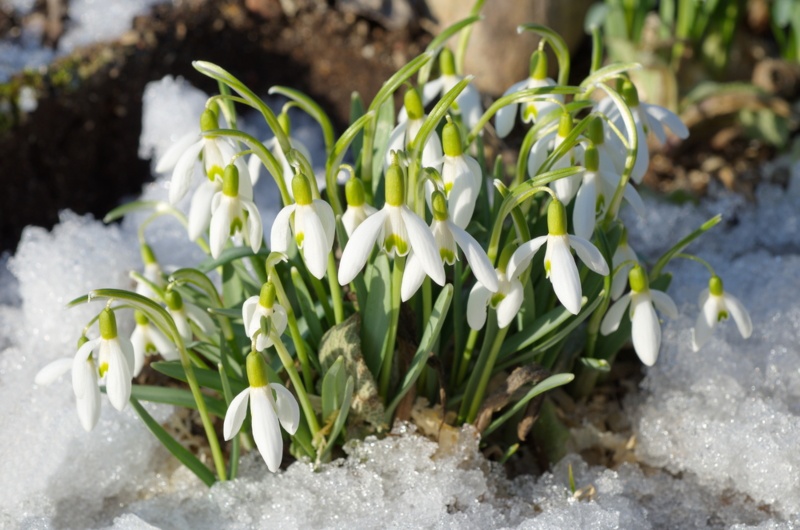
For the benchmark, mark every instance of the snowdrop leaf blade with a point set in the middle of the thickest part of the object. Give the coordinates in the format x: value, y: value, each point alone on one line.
x: 376, y: 315
x: 287, y: 408
x: 424, y: 245
x: 176, y: 396
x: 360, y: 246
x: 180, y: 452
x: 234, y: 417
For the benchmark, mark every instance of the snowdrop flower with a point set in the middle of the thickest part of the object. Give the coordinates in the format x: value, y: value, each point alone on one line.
x: 254, y: 164
x: 201, y: 207
x: 532, y: 110
x: 407, y: 129
x: 467, y: 103
x: 232, y: 214
x: 146, y: 339
x: 185, y: 314
x: 270, y: 403
x: 596, y: 193
x: 462, y: 178
x: 715, y: 306
x: 357, y: 208
x: 313, y: 224
x: 447, y: 235
x: 257, y: 307
x: 622, y: 262
x: 645, y: 327
x: 152, y: 273
x: 647, y: 118
x: 399, y: 231
x: 114, y: 364
x: 217, y: 152
x: 565, y: 188
x: 506, y: 300
x: 559, y: 265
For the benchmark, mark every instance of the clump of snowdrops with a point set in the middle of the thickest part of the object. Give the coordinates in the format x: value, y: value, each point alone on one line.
x: 428, y: 272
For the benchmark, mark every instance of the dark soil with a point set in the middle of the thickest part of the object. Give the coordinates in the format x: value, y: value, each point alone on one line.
x: 78, y: 150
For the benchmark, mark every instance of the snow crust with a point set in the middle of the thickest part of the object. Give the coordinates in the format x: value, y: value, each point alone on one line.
x: 717, y: 430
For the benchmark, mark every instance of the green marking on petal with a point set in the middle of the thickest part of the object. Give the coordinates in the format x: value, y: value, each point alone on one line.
x: 496, y: 299
x: 530, y: 112
x: 236, y: 225
x: 723, y: 315
x: 394, y: 243
x: 299, y: 238
x: 102, y: 369
x: 448, y: 256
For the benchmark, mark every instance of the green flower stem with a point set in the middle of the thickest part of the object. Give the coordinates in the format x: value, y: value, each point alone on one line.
x: 597, y: 50
x: 333, y: 163
x: 480, y: 365
x: 227, y: 106
x: 459, y: 316
x: 463, y: 39
x: 336, y: 290
x: 312, y: 109
x: 558, y: 45
x: 302, y: 396
x: 466, y: 356
x: 294, y: 330
x: 682, y: 244
x: 485, y: 374
x: 226, y: 391
x: 322, y: 294
x: 388, y: 354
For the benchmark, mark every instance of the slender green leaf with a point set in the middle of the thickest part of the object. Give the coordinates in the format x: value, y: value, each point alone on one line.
x: 312, y: 109
x: 307, y: 308
x: 176, y: 396
x: 338, y: 425
x: 377, y: 313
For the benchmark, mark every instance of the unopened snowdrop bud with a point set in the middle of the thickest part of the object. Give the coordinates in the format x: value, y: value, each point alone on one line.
x: 559, y: 265
x: 461, y: 175
x: 413, y: 104
x: 357, y: 208
x: 645, y: 327
x: 715, y: 306
x: 313, y: 224
x: 271, y: 405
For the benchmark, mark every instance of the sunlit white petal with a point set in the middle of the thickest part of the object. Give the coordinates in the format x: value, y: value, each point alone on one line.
x: 234, y: 417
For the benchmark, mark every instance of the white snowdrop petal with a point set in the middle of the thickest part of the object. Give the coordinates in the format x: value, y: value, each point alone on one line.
x: 583, y: 216
x: 220, y: 227
x: 52, y: 371
x: 163, y: 345
x: 564, y: 274
x: 279, y: 319
x: 281, y: 235
x: 200, y: 317
x: 328, y: 220
x: 173, y: 154
x: 469, y: 101
x: 413, y: 276
x: 504, y: 119
x: 642, y: 154
x: 613, y: 317
x: 634, y: 199
x: 118, y: 378
x: 359, y: 246
x: 645, y: 330
x: 522, y: 257
x: 200, y: 208
x: 539, y: 152
x: 82, y: 370
x: 664, y: 303
x: 255, y: 228
x: 182, y: 174
x: 431, y: 90
x: 476, y: 306
x: 315, y: 243
x: 287, y: 408
x: 396, y: 142
x: 589, y: 254
x: 139, y: 339
x: 509, y: 306
x: 668, y: 118
x: 237, y: 411
x: 462, y: 199
x: 656, y: 128
x: 476, y: 257
x: 248, y: 310
x: 701, y: 333
x: 422, y: 242
x: 739, y: 314
x: 266, y: 430
x: 89, y: 404
x: 254, y: 166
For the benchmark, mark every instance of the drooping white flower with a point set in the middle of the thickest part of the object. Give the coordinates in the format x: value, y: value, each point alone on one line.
x: 313, y: 224
x: 407, y: 129
x: 398, y: 231
x: 264, y: 306
x: 529, y: 111
x: 506, y: 300
x: 201, y: 207
x: 462, y: 178
x: 147, y: 339
x: 447, y: 235
x: 271, y: 405
x: 596, y: 193
x: 108, y: 358
x: 233, y: 214
x: 715, y: 306
x: 216, y: 152
x: 152, y: 273
x: 647, y: 118
x: 467, y: 103
x: 559, y: 265
x: 645, y: 327
x: 622, y: 262
x: 185, y: 314
x: 565, y: 188
x: 357, y: 208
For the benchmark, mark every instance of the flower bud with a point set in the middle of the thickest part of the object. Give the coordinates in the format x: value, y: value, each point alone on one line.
x: 413, y: 103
